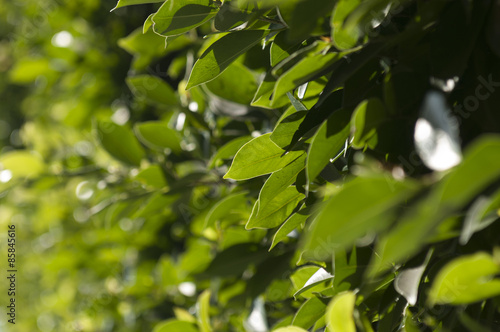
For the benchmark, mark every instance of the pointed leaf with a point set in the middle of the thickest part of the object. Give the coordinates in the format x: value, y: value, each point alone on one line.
x: 202, y: 311
x: 123, y: 3
x: 218, y: 56
x: 275, y: 211
x: 289, y: 225
x: 327, y: 142
x: 309, y: 313
x: 258, y: 157
x: 175, y: 17
x: 319, y: 277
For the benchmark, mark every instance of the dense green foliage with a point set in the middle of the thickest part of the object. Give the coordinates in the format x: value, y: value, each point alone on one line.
x: 253, y: 165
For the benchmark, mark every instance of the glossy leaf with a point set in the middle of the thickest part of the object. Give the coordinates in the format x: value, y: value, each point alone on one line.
x: 344, y: 38
x: 281, y: 48
x: 276, y: 210
x: 280, y: 180
x: 123, y: 3
x: 219, y: 55
x: 309, y: 313
x: 319, y: 277
x: 304, y: 71
x: 258, y: 157
x: 289, y: 225
x: 367, y: 117
x: 327, y: 142
x: 178, y: 16
x: 236, y: 83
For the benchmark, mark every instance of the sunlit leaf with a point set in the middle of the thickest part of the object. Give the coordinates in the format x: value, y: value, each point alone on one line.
x: 123, y: 3
x: 178, y: 16
x: 175, y: 326
x: 258, y: 157
x: 218, y: 56
x: 276, y: 210
x: 465, y: 280
x: 339, y: 314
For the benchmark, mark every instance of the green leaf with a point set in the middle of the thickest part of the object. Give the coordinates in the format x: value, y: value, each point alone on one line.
x: 327, y: 142
x: 157, y: 135
x: 148, y: 23
x: 218, y: 56
x: 152, y: 89
x: 143, y: 43
x: 283, y: 133
x: 152, y: 176
x: 119, y: 142
x: 339, y: 314
x: 228, y: 205
x: 20, y: 164
x: 344, y: 38
x: 480, y: 215
x: 471, y: 177
x: 368, y: 115
x: 264, y: 93
x: 305, y: 16
x: 202, y: 311
x: 275, y: 211
x: 290, y: 329
x: 173, y: 325
x: 290, y: 224
x: 234, y: 260
x: 280, y: 180
x: 281, y: 48
x: 309, y: 313
x: 176, y: 17
x: 319, y: 277
x: 123, y: 3
x: 307, y: 69
x: 236, y: 83
x: 362, y: 206
x: 229, y: 17
x: 466, y: 280
x: 258, y: 157
x: 229, y: 149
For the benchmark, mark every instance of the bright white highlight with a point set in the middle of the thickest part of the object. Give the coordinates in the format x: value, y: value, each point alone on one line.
x: 436, y: 134
x: 62, y: 39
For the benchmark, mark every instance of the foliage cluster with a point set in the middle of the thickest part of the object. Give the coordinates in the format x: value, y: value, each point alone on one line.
x: 283, y: 165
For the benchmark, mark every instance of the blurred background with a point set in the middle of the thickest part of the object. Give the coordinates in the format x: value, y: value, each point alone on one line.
x: 61, y: 68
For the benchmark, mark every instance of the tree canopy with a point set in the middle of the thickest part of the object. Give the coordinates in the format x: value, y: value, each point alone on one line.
x: 252, y: 165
